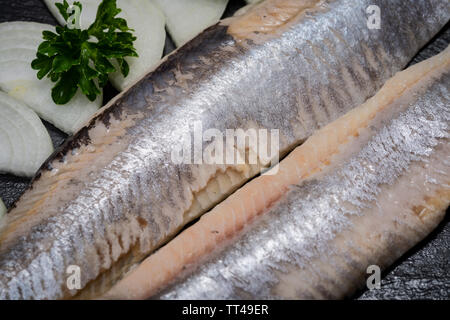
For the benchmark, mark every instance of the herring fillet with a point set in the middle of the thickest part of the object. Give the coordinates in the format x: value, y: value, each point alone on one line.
x: 112, y: 195
x: 227, y: 220
x: 382, y: 186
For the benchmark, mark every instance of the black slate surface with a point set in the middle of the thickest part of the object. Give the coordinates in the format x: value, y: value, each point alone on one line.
x: 422, y: 273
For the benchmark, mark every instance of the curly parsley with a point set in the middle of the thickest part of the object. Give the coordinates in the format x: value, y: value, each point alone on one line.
x: 75, y: 58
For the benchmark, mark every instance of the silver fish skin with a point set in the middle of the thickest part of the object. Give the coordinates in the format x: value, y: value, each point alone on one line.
x: 367, y: 209
x: 111, y: 194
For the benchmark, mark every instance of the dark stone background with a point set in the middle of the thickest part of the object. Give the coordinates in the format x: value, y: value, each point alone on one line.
x: 422, y: 273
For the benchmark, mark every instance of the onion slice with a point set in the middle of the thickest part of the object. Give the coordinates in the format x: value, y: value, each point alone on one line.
x: 24, y: 141
x: 148, y: 24
x: 19, y: 45
x: 187, y: 18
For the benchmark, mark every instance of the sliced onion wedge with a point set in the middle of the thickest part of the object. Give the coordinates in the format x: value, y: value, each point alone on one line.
x: 24, y: 141
x: 187, y: 18
x: 19, y: 45
x: 148, y: 24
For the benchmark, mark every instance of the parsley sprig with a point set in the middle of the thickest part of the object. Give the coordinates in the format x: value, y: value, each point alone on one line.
x: 75, y: 58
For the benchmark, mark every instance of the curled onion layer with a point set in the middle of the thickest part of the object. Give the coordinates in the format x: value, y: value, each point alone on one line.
x: 24, y: 141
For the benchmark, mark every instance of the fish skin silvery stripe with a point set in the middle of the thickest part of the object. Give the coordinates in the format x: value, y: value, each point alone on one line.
x: 313, y: 213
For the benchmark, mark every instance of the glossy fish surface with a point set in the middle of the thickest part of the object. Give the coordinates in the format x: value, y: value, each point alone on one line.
x: 386, y: 188
x: 112, y: 194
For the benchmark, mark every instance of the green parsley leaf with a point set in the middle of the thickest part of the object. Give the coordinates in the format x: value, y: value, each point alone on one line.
x: 82, y: 59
